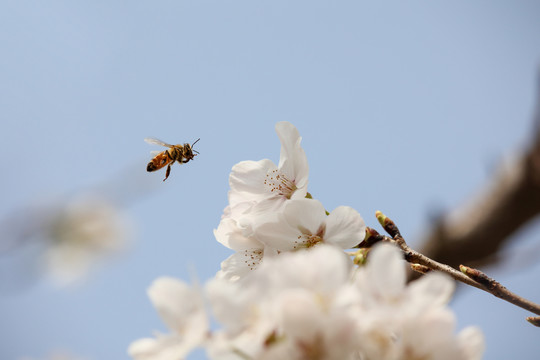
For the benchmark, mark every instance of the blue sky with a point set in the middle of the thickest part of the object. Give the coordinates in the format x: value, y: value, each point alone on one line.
x: 404, y: 107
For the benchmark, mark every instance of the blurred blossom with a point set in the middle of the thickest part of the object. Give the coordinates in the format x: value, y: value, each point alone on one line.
x: 312, y: 304
x: 70, y: 236
x: 81, y: 232
x: 181, y: 307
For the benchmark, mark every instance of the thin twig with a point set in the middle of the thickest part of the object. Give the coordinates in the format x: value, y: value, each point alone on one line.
x: 467, y: 275
x: 495, y: 288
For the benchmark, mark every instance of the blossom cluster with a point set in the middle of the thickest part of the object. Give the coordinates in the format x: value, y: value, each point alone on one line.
x: 290, y: 291
x: 268, y: 212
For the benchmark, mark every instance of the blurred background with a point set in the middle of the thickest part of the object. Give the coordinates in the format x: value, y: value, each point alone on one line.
x: 405, y: 108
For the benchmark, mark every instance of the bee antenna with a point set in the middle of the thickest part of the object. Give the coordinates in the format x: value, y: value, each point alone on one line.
x: 196, y: 141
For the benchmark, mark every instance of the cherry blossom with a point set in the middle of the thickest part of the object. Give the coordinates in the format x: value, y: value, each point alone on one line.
x: 303, y: 223
x: 80, y: 232
x: 266, y: 185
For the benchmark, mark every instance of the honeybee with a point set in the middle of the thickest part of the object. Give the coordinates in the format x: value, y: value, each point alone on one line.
x: 180, y: 153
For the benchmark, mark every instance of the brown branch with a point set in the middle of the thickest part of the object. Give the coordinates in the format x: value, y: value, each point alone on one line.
x: 467, y: 275
x: 475, y: 232
x: 495, y: 288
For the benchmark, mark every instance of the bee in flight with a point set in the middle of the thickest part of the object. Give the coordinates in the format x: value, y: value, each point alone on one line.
x: 180, y: 153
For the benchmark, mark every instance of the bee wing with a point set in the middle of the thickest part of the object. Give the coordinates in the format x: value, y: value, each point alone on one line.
x: 155, y: 141
x: 155, y: 152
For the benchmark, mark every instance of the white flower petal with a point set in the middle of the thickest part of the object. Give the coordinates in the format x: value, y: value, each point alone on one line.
x: 322, y: 269
x: 305, y: 214
x: 143, y: 349
x: 264, y: 211
x: 471, y: 343
x: 300, y: 312
x: 179, y: 305
x: 386, y: 271
x: 164, y: 347
x: 232, y: 236
x: 344, y: 228
x: 277, y: 235
x: 436, y: 325
x: 434, y: 289
x: 238, y: 265
x: 228, y: 301
x: 247, y: 181
x: 293, y: 161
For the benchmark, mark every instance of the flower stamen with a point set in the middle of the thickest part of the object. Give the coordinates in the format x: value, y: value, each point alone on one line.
x: 307, y: 240
x: 279, y: 184
x: 253, y: 258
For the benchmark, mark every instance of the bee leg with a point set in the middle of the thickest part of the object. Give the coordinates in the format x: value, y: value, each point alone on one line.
x: 168, y: 172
